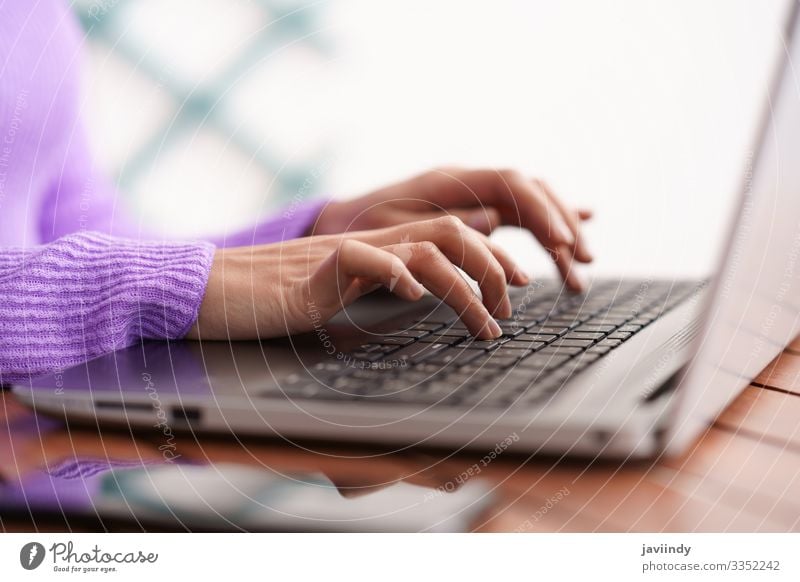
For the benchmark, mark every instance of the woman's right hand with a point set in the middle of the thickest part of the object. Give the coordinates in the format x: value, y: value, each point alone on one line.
x: 294, y: 286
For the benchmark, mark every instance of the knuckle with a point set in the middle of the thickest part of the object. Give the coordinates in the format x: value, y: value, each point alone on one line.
x: 426, y: 249
x: 451, y: 224
x: 344, y: 249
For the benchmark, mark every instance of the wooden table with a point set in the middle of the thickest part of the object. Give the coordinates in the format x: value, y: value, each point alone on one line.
x: 742, y: 475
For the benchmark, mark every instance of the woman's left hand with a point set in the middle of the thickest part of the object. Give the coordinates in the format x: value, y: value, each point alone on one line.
x: 482, y: 199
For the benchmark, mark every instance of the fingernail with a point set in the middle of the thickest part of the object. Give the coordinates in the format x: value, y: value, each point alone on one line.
x: 495, y: 328
x: 583, y: 255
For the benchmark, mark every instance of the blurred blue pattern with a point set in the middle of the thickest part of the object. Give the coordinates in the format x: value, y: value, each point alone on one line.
x: 202, y: 102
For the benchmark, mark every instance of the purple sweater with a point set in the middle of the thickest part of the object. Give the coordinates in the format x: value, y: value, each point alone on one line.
x: 77, y: 278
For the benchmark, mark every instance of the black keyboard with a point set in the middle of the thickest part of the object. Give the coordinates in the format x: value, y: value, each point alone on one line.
x: 551, y: 336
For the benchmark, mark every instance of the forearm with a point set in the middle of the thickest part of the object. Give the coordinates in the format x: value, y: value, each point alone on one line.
x: 88, y: 294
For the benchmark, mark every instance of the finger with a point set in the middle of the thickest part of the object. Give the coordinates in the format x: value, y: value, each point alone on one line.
x: 562, y: 257
x: 451, y: 234
x: 465, y: 248
x: 434, y: 270
x: 514, y: 273
x: 484, y: 219
x: 518, y: 202
x: 531, y: 208
x: 572, y: 219
x: 355, y: 261
x: 585, y: 214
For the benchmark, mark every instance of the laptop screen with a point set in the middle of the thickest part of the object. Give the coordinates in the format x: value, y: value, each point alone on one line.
x: 754, y: 304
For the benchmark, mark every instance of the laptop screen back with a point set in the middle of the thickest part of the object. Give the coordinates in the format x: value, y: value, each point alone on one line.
x: 754, y: 305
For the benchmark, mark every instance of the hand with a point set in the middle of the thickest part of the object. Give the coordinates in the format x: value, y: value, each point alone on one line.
x: 482, y: 199
x: 292, y: 287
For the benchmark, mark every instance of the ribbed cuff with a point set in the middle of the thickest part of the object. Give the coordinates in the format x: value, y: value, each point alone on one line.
x: 172, y: 287
x: 88, y: 294
x: 152, y: 289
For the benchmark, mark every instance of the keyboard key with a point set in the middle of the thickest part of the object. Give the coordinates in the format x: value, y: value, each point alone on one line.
x: 630, y: 327
x: 527, y: 319
x: 521, y: 344
x: 572, y: 343
x: 612, y: 343
x: 567, y: 323
x: 511, y: 329
x: 620, y: 335
x: 369, y: 347
x: 537, y: 337
x: 543, y: 361
x: 476, y: 344
x: 417, y: 353
x: 413, y: 333
x: 603, y: 319
x: 428, y: 325
x: 395, y: 341
x: 563, y: 350
x: 455, y: 358
x: 595, y: 328
x: 438, y: 338
x: 584, y: 335
x: 548, y: 330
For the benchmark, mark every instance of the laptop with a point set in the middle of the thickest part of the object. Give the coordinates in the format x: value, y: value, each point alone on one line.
x: 630, y: 368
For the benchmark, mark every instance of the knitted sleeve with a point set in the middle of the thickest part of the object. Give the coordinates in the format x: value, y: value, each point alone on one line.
x: 87, y: 294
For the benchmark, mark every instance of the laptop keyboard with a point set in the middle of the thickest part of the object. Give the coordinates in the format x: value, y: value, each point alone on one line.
x: 551, y: 336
